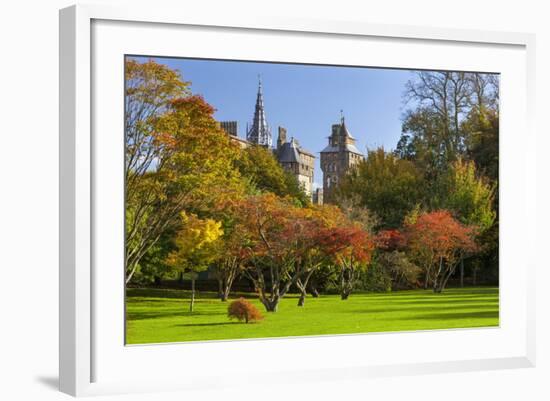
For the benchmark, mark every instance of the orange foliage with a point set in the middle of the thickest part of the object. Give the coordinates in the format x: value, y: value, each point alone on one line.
x: 241, y: 309
x: 440, y: 233
x: 347, y: 243
x: 390, y: 240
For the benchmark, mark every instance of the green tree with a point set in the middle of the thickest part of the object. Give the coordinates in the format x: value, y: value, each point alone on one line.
x: 467, y: 194
x: 389, y: 187
x: 483, y: 125
x: 470, y: 197
x: 444, y: 122
x: 258, y: 164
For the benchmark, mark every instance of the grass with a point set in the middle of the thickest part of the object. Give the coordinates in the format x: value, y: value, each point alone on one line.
x: 156, y: 316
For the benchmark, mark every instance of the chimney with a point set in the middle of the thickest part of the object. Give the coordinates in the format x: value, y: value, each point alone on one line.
x: 281, y: 138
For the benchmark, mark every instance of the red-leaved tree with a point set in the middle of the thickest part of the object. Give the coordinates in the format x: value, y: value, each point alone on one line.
x: 437, y: 242
x: 350, y: 248
x: 279, y: 238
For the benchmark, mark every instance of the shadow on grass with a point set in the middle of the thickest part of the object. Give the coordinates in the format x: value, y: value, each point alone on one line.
x: 432, y: 301
x: 427, y: 296
x: 206, y: 324
x: 456, y: 315
x: 167, y: 314
x: 166, y: 293
x: 433, y: 307
x: 430, y: 294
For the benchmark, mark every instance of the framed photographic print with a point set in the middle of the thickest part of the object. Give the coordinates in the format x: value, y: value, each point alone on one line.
x: 346, y: 196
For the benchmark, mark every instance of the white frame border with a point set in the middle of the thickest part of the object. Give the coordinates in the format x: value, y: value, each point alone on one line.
x: 75, y: 341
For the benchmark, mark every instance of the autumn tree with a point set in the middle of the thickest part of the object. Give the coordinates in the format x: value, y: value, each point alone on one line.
x: 349, y: 248
x: 231, y: 262
x: 177, y: 157
x: 280, y: 240
x: 392, y: 259
x: 197, y: 246
x: 150, y: 89
x: 307, y: 232
x: 437, y: 242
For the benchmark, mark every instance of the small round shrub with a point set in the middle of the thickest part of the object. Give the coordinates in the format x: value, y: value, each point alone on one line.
x: 241, y: 309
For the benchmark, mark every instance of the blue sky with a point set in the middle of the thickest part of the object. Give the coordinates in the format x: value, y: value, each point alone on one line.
x: 305, y: 99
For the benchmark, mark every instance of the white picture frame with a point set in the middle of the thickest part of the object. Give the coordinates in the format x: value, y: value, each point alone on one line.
x: 82, y: 344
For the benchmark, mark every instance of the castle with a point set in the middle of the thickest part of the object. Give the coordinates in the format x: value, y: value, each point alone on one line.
x: 336, y: 159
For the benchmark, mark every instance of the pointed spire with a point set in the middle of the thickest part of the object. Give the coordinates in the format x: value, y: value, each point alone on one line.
x: 259, y: 132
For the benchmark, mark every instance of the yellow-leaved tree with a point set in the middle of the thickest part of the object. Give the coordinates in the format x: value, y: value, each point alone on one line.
x: 198, y: 244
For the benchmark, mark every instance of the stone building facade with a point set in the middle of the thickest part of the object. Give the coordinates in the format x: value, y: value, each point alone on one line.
x: 295, y: 159
x: 337, y: 158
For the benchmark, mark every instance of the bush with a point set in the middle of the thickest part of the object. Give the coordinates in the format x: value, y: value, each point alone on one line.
x: 403, y: 273
x: 375, y: 279
x: 241, y: 309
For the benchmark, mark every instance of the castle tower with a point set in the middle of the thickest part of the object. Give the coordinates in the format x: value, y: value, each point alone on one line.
x: 337, y: 159
x: 259, y: 132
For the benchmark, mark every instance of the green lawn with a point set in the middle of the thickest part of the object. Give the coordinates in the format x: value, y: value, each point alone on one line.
x: 156, y: 316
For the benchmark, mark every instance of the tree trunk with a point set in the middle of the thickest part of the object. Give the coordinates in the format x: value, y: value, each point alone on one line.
x: 226, y: 290
x: 443, y: 283
x: 314, y: 292
x: 461, y: 273
x: 131, y: 274
x: 436, y: 284
x: 192, y: 303
x: 427, y: 278
x: 302, y: 299
x: 302, y: 286
x: 228, y: 283
x: 474, y: 282
x: 437, y: 280
x: 271, y: 305
x: 220, y: 289
x: 344, y: 295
